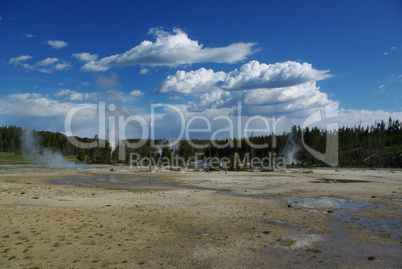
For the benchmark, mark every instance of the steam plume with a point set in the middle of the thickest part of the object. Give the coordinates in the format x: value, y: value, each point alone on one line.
x: 291, y: 149
x: 33, y: 152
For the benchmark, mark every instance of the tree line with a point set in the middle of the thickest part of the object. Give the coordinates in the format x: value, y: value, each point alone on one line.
x: 378, y: 145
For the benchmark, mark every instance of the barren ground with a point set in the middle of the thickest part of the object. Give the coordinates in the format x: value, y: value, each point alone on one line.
x: 196, y: 219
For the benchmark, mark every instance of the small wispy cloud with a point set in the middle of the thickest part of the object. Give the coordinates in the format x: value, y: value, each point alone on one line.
x: 47, y: 65
x: 57, y: 44
x: 29, y: 36
x: 392, y: 50
x: 144, y: 71
x: 19, y: 59
x: 110, y: 82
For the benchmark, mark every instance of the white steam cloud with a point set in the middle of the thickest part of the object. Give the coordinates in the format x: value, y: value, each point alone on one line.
x: 33, y: 152
x: 290, y: 150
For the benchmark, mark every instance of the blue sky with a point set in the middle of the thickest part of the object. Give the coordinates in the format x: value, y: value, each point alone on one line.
x: 276, y: 58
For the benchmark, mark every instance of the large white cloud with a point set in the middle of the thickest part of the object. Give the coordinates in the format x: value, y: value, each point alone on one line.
x: 171, y: 49
x: 252, y: 75
x: 274, y: 89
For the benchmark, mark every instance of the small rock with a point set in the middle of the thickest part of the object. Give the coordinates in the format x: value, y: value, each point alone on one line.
x: 373, y: 196
x: 371, y: 258
x: 266, y: 232
x: 289, y: 205
x: 330, y: 211
x: 22, y: 193
x: 35, y: 197
x: 108, y: 205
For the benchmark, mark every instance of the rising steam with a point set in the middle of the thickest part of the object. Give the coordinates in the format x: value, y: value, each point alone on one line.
x: 33, y: 152
x: 290, y: 150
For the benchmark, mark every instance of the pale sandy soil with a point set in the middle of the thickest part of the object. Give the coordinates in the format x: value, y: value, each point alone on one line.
x: 194, y: 219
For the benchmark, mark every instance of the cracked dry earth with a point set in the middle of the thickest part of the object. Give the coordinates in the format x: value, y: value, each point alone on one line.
x: 124, y: 219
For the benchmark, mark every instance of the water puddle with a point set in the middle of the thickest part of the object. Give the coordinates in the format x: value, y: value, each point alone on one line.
x: 303, y: 249
x: 111, y: 180
x: 330, y: 202
x: 120, y: 181
x: 70, y: 182
x: 387, y: 227
x: 330, y: 180
x: 257, y: 196
x: 344, y: 210
x: 298, y: 237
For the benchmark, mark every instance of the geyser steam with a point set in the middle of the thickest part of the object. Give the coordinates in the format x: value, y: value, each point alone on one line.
x: 33, y: 152
x: 291, y: 149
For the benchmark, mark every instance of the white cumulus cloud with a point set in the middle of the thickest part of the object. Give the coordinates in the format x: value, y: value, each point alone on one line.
x: 57, y: 44
x: 263, y: 89
x: 261, y: 97
x: 136, y: 93
x: 62, y: 66
x: 192, y: 82
x: 85, y: 56
x: 47, y: 61
x: 252, y: 75
x: 171, y: 49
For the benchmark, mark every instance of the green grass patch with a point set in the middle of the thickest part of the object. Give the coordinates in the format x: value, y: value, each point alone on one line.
x: 10, y: 158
